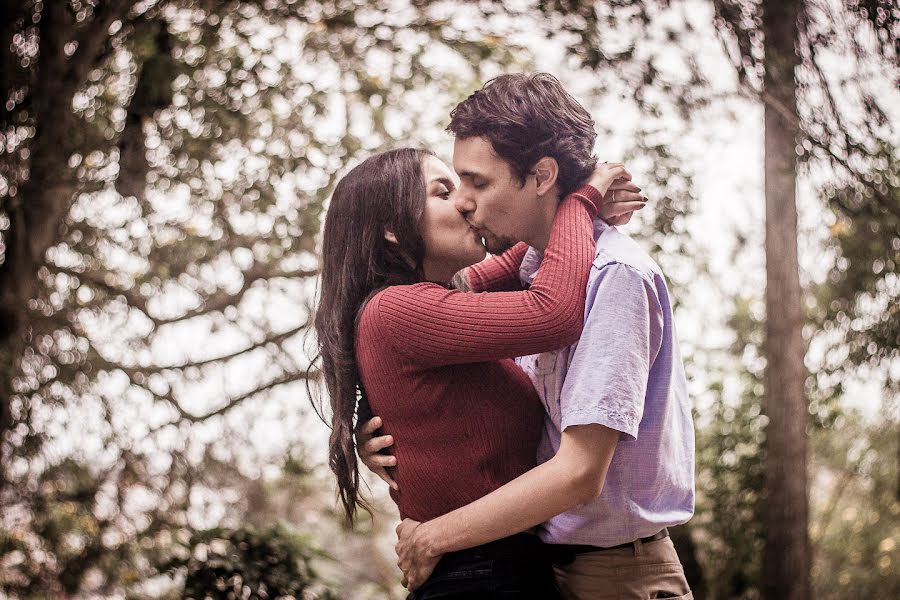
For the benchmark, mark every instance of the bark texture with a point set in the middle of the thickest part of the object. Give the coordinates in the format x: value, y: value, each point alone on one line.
x: 38, y: 208
x: 786, y: 560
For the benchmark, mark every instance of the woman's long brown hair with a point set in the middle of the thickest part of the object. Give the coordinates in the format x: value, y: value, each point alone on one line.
x: 385, y: 193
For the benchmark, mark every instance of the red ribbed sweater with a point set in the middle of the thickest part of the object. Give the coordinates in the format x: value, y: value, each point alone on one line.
x: 436, y: 366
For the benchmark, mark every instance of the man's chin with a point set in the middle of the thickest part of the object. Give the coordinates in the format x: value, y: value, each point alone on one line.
x: 498, y: 245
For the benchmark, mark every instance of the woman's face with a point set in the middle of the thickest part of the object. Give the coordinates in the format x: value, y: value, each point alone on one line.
x: 450, y: 243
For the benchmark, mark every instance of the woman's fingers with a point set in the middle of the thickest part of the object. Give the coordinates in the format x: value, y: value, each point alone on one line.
x: 620, y: 208
x: 606, y: 173
x: 604, y: 178
x: 619, y: 201
x: 622, y: 196
x: 620, y: 220
x: 623, y: 185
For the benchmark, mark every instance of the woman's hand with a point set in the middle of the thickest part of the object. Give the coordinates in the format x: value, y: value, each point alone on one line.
x: 369, y: 450
x: 620, y: 202
x: 605, y: 174
x: 621, y: 197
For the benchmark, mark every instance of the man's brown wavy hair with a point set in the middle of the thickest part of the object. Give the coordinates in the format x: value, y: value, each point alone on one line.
x: 527, y: 117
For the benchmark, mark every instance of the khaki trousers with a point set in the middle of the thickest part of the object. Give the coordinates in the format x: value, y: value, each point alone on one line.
x: 643, y: 571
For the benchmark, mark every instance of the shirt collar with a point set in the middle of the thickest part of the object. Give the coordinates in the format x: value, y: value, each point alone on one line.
x: 534, y: 257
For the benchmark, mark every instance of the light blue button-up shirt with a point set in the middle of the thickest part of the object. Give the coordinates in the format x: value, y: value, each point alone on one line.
x: 626, y: 373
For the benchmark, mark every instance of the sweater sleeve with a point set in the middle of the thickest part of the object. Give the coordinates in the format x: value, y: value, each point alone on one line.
x: 434, y: 326
x: 498, y: 273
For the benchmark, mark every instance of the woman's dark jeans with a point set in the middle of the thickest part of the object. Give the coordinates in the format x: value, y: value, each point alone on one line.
x: 517, y: 567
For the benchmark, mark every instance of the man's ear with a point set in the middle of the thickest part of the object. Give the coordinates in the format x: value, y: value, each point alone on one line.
x: 389, y: 236
x: 546, y: 172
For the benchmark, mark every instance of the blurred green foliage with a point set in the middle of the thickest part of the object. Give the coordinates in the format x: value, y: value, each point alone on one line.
x: 857, y: 529
x: 859, y: 303
x: 245, y: 563
x: 202, y: 141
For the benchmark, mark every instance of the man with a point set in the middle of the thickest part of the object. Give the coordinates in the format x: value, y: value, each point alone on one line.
x: 616, y: 459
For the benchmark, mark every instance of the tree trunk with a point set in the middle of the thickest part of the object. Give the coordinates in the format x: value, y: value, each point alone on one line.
x: 687, y: 553
x: 39, y: 206
x: 786, y: 560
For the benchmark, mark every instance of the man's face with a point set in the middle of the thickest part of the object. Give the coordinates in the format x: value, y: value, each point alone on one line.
x: 490, y: 196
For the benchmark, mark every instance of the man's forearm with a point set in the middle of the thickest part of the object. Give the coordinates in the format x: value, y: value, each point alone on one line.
x: 565, y: 481
x: 529, y: 500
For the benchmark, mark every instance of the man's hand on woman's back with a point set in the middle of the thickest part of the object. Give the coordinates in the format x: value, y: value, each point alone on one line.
x: 369, y: 450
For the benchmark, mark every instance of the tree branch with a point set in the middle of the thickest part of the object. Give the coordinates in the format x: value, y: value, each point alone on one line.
x: 221, y: 300
x: 10, y: 71
x: 134, y: 300
x: 790, y: 115
x: 826, y: 88
x: 93, y: 38
x: 276, y: 339
x: 186, y: 415
x: 55, y: 27
x: 215, y: 303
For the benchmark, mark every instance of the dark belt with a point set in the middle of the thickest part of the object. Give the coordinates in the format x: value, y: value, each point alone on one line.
x: 565, y: 553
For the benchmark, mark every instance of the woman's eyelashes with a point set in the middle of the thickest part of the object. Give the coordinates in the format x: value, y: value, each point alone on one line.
x: 444, y: 192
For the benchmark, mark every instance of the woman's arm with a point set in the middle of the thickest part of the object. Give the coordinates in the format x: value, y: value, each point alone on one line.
x: 497, y: 273
x: 575, y: 475
x: 434, y: 326
x: 501, y: 273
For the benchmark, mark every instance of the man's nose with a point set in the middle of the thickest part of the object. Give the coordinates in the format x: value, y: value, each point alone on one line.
x: 464, y: 203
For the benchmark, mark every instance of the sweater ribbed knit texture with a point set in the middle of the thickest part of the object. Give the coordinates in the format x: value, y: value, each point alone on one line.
x: 436, y: 366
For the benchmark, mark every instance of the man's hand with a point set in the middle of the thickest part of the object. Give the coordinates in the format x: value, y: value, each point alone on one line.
x: 368, y: 448
x: 412, y: 554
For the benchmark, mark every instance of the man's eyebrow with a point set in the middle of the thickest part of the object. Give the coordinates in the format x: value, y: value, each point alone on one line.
x: 469, y: 174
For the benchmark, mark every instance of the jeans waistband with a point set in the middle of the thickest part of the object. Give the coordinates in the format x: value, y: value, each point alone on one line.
x: 526, y: 545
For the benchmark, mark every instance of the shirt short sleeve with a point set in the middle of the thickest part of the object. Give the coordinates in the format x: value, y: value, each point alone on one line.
x: 607, y: 378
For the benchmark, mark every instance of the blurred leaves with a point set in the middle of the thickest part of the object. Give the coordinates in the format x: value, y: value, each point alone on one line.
x: 195, y: 144
x: 247, y: 563
x: 859, y: 303
x: 858, y: 526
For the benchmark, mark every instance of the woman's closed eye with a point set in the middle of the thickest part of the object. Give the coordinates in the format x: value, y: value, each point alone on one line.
x: 444, y: 192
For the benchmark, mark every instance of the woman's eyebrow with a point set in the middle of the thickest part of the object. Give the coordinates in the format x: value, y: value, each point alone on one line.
x: 446, y: 181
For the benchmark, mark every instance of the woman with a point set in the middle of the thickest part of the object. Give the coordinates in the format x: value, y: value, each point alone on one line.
x: 435, y: 363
